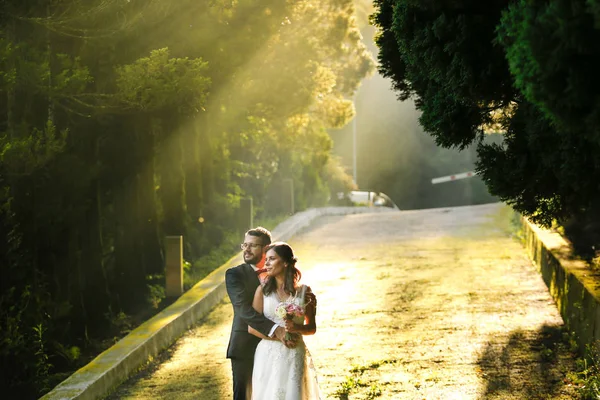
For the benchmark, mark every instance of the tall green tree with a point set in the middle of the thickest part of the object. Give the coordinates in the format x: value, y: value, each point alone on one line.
x: 129, y: 121
x: 524, y: 67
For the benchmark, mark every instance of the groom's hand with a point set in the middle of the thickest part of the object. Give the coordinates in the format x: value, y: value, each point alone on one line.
x: 280, y: 333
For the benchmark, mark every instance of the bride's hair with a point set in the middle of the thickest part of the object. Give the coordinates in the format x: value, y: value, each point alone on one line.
x: 292, y: 274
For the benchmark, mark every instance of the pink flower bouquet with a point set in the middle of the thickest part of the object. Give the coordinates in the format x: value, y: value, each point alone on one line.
x: 290, y: 311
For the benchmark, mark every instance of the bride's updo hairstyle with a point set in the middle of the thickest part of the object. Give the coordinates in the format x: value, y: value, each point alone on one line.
x: 292, y: 274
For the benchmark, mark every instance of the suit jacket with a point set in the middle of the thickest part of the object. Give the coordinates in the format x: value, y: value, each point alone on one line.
x: 241, y: 283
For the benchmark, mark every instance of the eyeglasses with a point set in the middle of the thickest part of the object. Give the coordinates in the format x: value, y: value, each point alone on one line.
x: 251, y: 246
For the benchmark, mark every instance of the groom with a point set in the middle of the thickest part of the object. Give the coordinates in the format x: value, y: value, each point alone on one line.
x: 241, y: 283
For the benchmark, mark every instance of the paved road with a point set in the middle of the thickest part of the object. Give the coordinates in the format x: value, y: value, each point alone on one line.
x: 428, y: 304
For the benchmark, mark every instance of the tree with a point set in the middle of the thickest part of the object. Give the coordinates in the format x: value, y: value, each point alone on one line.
x: 526, y: 66
x: 552, y: 53
x: 126, y: 121
x: 442, y: 53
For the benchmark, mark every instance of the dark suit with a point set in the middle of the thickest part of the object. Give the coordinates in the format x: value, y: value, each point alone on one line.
x: 241, y: 283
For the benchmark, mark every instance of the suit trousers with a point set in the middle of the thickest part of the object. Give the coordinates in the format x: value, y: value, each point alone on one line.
x: 242, y: 378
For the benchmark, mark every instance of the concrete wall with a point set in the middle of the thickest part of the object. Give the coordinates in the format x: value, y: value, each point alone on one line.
x: 571, y: 282
x: 98, y: 378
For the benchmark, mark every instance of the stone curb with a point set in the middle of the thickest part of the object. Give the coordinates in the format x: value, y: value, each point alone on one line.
x: 571, y: 282
x: 112, y: 367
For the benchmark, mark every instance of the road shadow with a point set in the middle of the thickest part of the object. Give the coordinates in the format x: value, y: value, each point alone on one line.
x: 530, y: 365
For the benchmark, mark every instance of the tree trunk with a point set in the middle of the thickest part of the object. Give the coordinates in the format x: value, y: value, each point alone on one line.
x: 172, y: 183
x: 193, y: 189
x: 150, y: 250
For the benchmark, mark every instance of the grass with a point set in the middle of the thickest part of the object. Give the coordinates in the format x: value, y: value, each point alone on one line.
x: 356, y: 381
x: 587, y: 376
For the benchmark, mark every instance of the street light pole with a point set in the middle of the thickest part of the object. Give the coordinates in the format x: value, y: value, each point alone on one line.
x: 354, y: 144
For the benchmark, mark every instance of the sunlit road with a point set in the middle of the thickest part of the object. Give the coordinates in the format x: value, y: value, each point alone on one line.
x: 430, y: 304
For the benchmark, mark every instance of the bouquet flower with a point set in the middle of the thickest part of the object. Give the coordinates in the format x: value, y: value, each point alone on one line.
x: 290, y: 311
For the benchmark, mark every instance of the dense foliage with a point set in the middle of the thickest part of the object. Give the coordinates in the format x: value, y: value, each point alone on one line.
x: 129, y: 121
x: 525, y: 68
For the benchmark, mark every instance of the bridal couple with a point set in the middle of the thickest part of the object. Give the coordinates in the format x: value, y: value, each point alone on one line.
x: 271, y: 312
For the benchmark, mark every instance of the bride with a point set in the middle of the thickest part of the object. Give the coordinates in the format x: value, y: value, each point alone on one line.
x: 282, y: 373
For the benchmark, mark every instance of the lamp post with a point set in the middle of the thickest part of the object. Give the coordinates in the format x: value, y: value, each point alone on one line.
x: 354, y: 177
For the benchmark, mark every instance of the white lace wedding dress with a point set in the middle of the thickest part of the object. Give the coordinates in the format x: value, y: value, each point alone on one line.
x: 281, y: 373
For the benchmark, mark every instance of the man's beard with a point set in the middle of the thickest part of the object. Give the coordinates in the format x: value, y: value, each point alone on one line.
x: 252, y: 259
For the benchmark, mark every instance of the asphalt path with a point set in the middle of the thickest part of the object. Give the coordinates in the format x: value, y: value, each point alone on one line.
x: 424, y: 304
